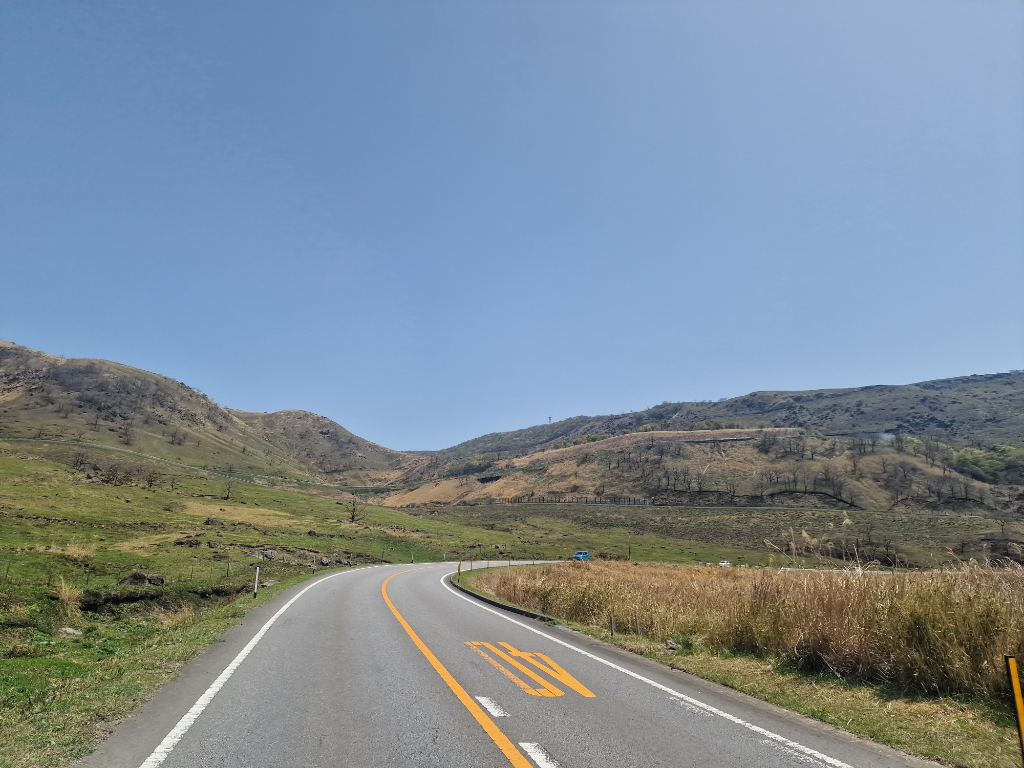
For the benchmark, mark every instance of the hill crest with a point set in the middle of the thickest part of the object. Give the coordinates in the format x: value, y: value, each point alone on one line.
x: 111, y: 404
x: 981, y: 409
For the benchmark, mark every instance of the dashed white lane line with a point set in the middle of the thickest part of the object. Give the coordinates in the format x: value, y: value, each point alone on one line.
x: 491, y: 706
x: 164, y: 748
x: 690, y: 700
x: 539, y: 756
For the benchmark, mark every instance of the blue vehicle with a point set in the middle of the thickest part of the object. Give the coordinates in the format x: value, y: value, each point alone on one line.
x: 581, y: 555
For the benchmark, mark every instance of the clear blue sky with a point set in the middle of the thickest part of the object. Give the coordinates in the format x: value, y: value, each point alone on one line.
x: 433, y: 220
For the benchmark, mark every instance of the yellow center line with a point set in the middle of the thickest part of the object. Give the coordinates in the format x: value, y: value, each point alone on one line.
x: 500, y: 739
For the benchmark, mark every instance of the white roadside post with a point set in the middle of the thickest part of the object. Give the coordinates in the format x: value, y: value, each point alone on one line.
x: 256, y: 584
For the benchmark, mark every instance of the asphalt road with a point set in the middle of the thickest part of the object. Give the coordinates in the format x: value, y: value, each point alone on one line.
x: 389, y: 667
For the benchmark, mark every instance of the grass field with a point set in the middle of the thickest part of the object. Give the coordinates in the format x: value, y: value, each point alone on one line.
x: 784, y: 536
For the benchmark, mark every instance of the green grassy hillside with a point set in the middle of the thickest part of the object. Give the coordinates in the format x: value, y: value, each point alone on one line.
x: 323, y: 447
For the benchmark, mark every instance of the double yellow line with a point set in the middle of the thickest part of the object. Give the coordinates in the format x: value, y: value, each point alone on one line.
x: 500, y: 739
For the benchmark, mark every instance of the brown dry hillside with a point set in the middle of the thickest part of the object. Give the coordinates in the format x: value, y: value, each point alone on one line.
x: 102, y: 403
x: 738, y: 468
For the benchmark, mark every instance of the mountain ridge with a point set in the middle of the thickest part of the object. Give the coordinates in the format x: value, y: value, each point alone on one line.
x: 117, y: 405
x: 974, y: 409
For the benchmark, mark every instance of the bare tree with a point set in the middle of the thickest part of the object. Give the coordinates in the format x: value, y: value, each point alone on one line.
x: 898, y: 484
x: 702, y: 478
x: 355, y: 511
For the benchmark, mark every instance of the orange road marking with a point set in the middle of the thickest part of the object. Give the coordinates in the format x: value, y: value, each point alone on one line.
x: 500, y: 739
x: 551, y: 668
x: 551, y: 690
x: 547, y: 690
x: 1018, y: 698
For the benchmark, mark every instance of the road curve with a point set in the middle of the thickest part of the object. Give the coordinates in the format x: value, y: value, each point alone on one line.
x: 389, y: 667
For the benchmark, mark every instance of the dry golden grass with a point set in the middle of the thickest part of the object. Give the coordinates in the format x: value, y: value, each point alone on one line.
x: 240, y: 514
x: 936, y: 632
x: 144, y: 543
x: 633, y: 438
x: 173, y: 618
x: 69, y: 598
x: 71, y: 550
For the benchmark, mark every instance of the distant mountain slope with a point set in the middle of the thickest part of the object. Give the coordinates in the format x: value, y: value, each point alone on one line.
x: 101, y: 402
x: 983, y: 409
x: 320, y: 444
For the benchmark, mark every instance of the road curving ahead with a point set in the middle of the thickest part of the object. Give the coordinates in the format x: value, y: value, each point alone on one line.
x: 390, y: 667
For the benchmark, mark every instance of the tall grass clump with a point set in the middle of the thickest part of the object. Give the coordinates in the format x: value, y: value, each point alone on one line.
x: 69, y: 598
x: 937, y: 632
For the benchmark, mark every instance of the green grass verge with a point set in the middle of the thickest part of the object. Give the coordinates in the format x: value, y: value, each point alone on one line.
x: 60, y: 696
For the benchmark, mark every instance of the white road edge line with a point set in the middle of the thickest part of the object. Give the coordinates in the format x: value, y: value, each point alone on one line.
x: 539, y: 755
x: 164, y: 748
x: 492, y: 706
x: 707, y: 707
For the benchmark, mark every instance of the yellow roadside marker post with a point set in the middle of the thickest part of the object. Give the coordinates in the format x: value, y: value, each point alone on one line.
x: 1018, y: 700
